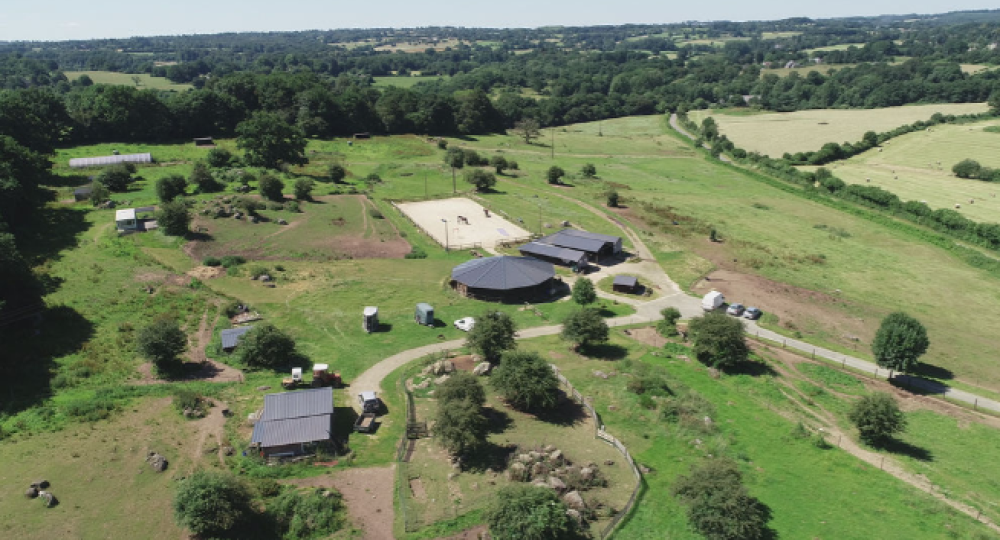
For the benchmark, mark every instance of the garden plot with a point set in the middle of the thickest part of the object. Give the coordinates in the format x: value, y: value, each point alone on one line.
x: 441, y: 220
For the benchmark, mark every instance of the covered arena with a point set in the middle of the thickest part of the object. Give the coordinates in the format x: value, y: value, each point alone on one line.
x: 504, y: 279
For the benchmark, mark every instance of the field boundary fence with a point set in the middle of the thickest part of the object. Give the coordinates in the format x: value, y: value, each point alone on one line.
x: 404, y: 450
x: 601, y: 433
x: 508, y: 242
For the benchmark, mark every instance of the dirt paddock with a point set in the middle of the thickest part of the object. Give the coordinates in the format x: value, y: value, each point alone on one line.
x: 475, y: 228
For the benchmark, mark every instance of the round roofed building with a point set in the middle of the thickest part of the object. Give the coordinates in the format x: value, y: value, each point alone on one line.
x: 504, y: 278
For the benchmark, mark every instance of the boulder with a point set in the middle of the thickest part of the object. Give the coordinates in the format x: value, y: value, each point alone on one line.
x: 265, y: 277
x: 575, y: 515
x: 282, y: 222
x: 548, y: 448
x: 442, y: 379
x: 586, y: 474
x: 541, y: 484
x: 524, y: 458
x: 517, y: 472
x: 263, y: 388
x: 600, y: 374
x: 556, y: 484
x: 609, y: 462
x: 157, y: 461
x: 481, y: 369
x: 574, y: 501
x: 538, y: 469
x: 556, y: 457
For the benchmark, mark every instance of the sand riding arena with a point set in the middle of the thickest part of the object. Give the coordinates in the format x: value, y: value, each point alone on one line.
x: 462, y: 223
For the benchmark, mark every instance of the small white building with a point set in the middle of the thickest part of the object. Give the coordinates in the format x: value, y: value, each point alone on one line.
x: 125, y: 220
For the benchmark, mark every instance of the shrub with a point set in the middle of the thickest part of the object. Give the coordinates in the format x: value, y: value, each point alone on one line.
x: 647, y: 402
x: 512, y: 165
x: 267, y: 346
x: 688, y: 409
x: 967, y: 168
x: 499, y: 164
x: 173, y: 218
x: 484, y: 181
x: 203, y: 180
x: 416, y: 253
x: 589, y: 170
x: 375, y: 213
x: 668, y: 326
x: 337, y: 173
x: 271, y: 188
x: 442, y: 144
x: 584, y: 328
x: 257, y: 271
x: 877, y: 417
x: 719, y: 340
x: 162, y: 342
x: 492, y: 335
x: 219, y: 157
x: 555, y: 174
x: 116, y: 177
x: 99, y: 193
x: 303, y: 189
x: 648, y: 384
x: 212, y: 504
x: 473, y: 158
x: 293, y: 206
x: 211, y: 261
x: 170, y: 187
x: 583, y: 292
x: 302, y: 517
x: 719, y: 506
x: 230, y: 261
x: 185, y: 398
x: 526, y: 381
x: 461, y: 426
x: 613, y: 198
x: 461, y: 386
x: 522, y: 512
x: 373, y: 178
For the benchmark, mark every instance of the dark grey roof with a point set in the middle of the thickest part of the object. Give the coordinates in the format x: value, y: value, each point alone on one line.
x: 86, y: 190
x: 503, y: 273
x: 299, y: 404
x: 590, y: 235
x: 628, y: 281
x: 561, y: 239
x: 230, y: 336
x: 110, y: 160
x: 547, y: 250
x: 292, y: 431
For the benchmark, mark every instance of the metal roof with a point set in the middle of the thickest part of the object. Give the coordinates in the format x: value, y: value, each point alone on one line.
x: 592, y: 236
x: 371, y: 310
x: 547, y: 250
x: 368, y: 396
x: 299, y: 404
x: 561, y: 239
x: 125, y: 214
x: 83, y: 191
x: 628, y: 281
x: 110, y: 160
x: 503, y: 273
x: 292, y: 431
x: 231, y: 336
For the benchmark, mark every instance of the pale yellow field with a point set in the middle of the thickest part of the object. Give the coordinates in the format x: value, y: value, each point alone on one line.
x: 908, y: 166
x: 802, y: 131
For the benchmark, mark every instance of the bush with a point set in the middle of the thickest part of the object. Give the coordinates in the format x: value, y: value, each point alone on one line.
x: 302, y: 517
x: 668, y: 326
x: 267, y: 346
x: 613, y: 198
x: 373, y: 178
x: 555, y: 174
x: 170, y: 187
x: 203, y: 180
x: 526, y: 381
x: 499, y: 164
x: 185, y: 398
x: 211, y: 261
x: 162, y: 342
x: 583, y: 292
x: 877, y: 417
x: 648, y: 384
x: 584, y: 328
x: 967, y: 168
x: 492, y: 335
x: 416, y: 253
x: 719, y: 506
x: 719, y: 340
x: 689, y: 409
x: 230, y: 261
x: 293, y: 206
x: 173, y: 218
x: 461, y: 426
x: 337, y: 173
x: 522, y: 512
x: 219, y: 157
x: 303, y: 189
x: 257, y: 271
x: 484, y: 181
x: 512, y: 165
x: 375, y: 213
x: 271, y: 188
x: 213, y: 504
x: 461, y: 386
x: 473, y: 159
x: 116, y: 177
x: 588, y: 170
x: 99, y: 193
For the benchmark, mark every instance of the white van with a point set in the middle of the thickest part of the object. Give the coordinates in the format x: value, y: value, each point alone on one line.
x: 712, y: 301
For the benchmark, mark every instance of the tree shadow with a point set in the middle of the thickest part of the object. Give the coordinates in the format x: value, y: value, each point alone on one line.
x: 498, y: 421
x: 566, y: 413
x: 606, y: 351
x: 897, y: 446
x: 933, y: 372
x: 753, y: 368
x: 30, y: 348
x: 489, y: 456
x: 50, y: 231
x: 68, y: 180
x: 198, y: 236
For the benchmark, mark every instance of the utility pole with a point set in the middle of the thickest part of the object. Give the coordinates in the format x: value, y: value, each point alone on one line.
x: 446, y: 242
x: 426, y: 195
x: 553, y: 143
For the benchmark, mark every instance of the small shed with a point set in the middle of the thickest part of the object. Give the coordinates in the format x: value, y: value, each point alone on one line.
x: 125, y: 219
x: 231, y: 337
x: 294, y: 423
x: 625, y: 284
x: 206, y: 142
x: 424, y: 314
x: 82, y: 193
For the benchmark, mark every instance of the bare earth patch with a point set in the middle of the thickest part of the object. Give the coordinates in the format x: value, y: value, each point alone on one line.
x: 204, y: 273
x: 367, y: 495
x: 648, y: 336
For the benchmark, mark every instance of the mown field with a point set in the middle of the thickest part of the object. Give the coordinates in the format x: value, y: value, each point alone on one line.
x: 113, y: 77
x: 917, y: 166
x: 813, y: 491
x: 774, y: 134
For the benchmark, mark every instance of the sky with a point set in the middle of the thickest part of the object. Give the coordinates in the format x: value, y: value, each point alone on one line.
x: 55, y: 20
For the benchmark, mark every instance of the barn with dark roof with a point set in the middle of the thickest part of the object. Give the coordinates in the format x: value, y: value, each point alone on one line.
x: 596, y: 246
x: 504, y: 279
x: 294, y: 423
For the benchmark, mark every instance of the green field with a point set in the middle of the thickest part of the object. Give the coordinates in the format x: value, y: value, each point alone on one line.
x: 774, y: 134
x: 840, y: 47
x: 813, y: 492
x: 146, y: 81
x: 908, y: 166
x: 404, y: 81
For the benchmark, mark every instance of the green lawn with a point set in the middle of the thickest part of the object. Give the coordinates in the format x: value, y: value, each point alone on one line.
x: 128, y: 79
x: 405, y: 81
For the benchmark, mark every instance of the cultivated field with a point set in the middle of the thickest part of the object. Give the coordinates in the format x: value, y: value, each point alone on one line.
x: 126, y: 79
x: 909, y: 167
x: 405, y: 81
x: 439, y: 218
x: 774, y: 134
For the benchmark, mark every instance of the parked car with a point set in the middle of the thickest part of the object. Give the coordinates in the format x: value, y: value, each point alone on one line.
x: 465, y: 324
x: 736, y: 310
x: 752, y: 313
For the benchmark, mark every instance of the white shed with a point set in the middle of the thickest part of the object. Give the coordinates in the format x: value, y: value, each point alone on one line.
x: 125, y: 219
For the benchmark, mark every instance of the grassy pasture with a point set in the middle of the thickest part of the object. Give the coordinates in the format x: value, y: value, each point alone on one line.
x: 404, y: 81
x: 813, y: 492
x: 839, y: 47
x: 801, y: 131
x: 146, y: 81
x: 908, y: 166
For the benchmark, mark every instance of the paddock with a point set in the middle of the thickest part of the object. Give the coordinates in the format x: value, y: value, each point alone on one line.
x: 468, y: 223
